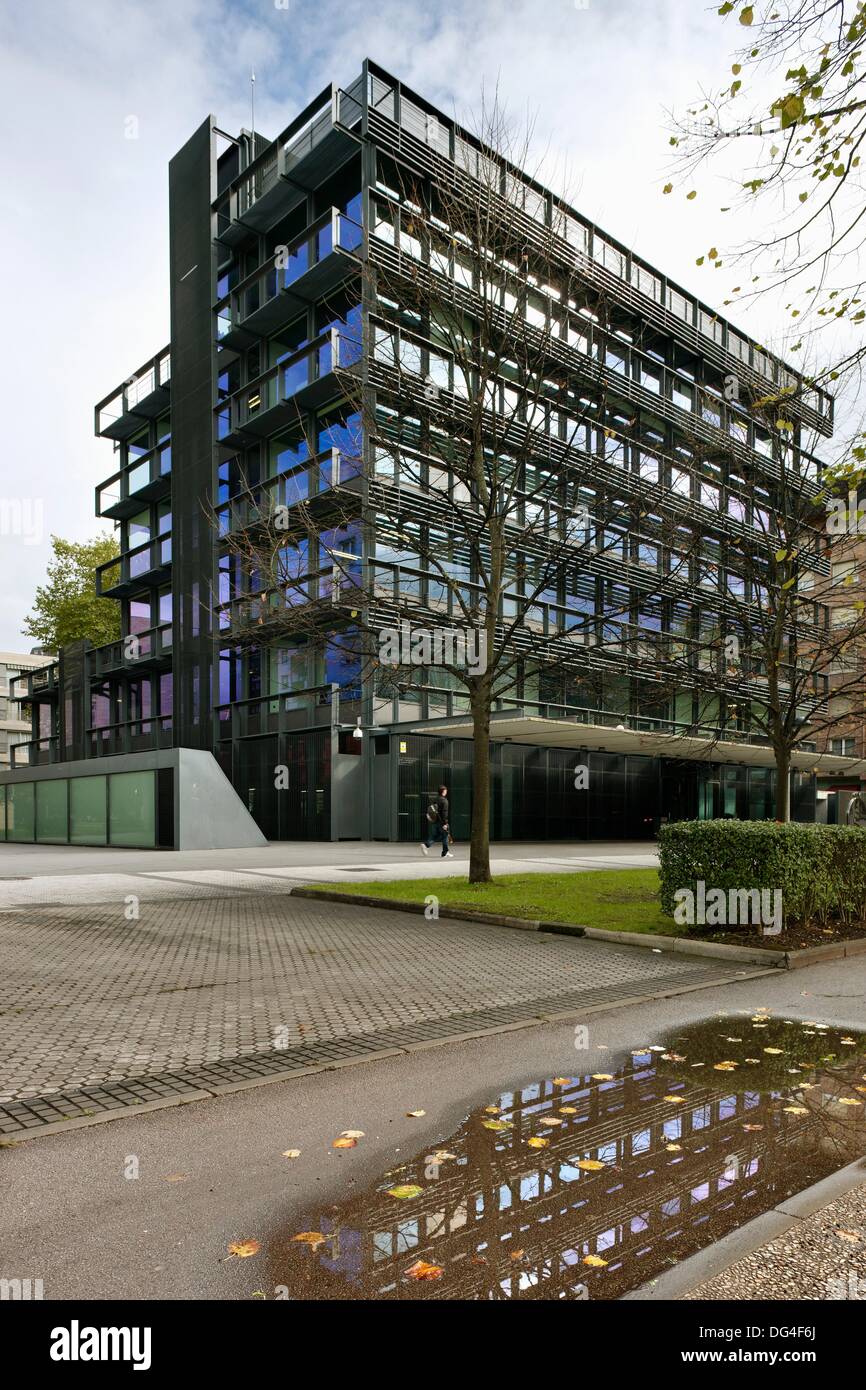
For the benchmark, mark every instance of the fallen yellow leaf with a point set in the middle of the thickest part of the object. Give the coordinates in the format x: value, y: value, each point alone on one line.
x: 415, y: 1114
x: 536, y: 1142
x: 422, y: 1270
x: 562, y: 1081
x: 244, y: 1248
x: 312, y: 1238
x: 496, y: 1125
x: 591, y: 1165
x: 676, y: 1100
x: 344, y: 1143
x: 405, y: 1191
x: 595, y: 1260
x: 291, y: 1153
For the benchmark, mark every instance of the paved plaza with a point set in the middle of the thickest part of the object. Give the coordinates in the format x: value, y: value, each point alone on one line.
x: 194, y: 979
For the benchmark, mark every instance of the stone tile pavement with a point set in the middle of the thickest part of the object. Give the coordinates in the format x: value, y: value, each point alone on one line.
x: 89, y: 998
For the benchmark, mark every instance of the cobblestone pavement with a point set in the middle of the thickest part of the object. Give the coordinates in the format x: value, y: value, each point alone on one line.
x: 89, y: 998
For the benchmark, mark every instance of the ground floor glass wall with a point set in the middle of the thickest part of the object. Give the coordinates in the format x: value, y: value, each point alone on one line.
x: 534, y: 795
x: 115, y: 809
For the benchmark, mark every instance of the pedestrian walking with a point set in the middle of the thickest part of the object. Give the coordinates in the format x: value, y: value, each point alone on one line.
x: 438, y: 831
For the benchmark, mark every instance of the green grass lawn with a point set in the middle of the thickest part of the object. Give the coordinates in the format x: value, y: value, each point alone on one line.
x: 616, y: 899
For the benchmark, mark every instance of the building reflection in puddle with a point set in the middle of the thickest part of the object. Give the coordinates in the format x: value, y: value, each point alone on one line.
x: 586, y: 1187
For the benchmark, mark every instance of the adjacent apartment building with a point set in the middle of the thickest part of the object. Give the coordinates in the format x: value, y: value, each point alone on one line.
x: 846, y: 738
x: 182, y: 734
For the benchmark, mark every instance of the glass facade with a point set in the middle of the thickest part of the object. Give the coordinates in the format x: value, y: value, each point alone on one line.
x: 117, y: 809
x: 626, y: 797
x: 20, y: 812
x: 52, y: 812
x: 132, y: 808
x: 88, y: 811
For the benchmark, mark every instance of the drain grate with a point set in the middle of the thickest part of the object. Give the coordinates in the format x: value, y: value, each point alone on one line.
x: 27, y: 1115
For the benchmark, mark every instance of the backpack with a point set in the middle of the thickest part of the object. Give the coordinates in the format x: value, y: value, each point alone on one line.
x: 433, y: 813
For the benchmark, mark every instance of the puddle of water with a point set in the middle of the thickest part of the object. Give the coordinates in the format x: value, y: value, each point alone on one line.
x: 591, y: 1185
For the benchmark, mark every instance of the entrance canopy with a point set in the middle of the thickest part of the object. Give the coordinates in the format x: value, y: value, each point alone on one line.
x: 569, y: 733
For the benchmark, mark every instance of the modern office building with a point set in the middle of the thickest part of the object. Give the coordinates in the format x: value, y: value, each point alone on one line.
x: 180, y: 734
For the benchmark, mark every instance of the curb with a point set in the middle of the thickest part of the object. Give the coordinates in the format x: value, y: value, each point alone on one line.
x: 677, y: 945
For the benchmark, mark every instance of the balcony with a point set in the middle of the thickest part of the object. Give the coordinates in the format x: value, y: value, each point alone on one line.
x: 317, y: 478
x: 36, y: 752
x: 266, y: 300
x: 144, y: 479
x: 144, y: 397
x: 279, y: 713
x: 281, y: 176
x: 37, y: 685
x: 149, y: 650
x: 131, y: 736
x: 304, y: 380
x: 149, y: 563
x: 311, y: 599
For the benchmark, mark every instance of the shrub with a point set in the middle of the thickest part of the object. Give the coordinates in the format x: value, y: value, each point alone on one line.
x: 820, y: 869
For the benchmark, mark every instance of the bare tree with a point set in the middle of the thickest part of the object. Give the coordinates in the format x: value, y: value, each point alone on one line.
x: 782, y: 636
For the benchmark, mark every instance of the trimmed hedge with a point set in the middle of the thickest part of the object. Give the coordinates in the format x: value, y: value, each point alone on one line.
x: 821, y: 869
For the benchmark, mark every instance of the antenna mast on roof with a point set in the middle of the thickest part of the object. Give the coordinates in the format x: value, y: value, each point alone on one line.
x: 253, y: 111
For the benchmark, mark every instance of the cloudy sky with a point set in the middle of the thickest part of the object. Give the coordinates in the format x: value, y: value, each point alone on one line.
x: 84, y: 211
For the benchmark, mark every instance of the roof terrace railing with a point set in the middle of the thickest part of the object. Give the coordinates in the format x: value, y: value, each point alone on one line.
x: 124, y: 400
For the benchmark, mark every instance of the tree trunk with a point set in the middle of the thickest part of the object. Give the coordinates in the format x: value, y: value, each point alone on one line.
x: 479, y: 844
x: 783, y: 786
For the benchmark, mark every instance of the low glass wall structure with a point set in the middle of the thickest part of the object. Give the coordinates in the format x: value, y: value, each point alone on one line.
x: 119, y: 808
